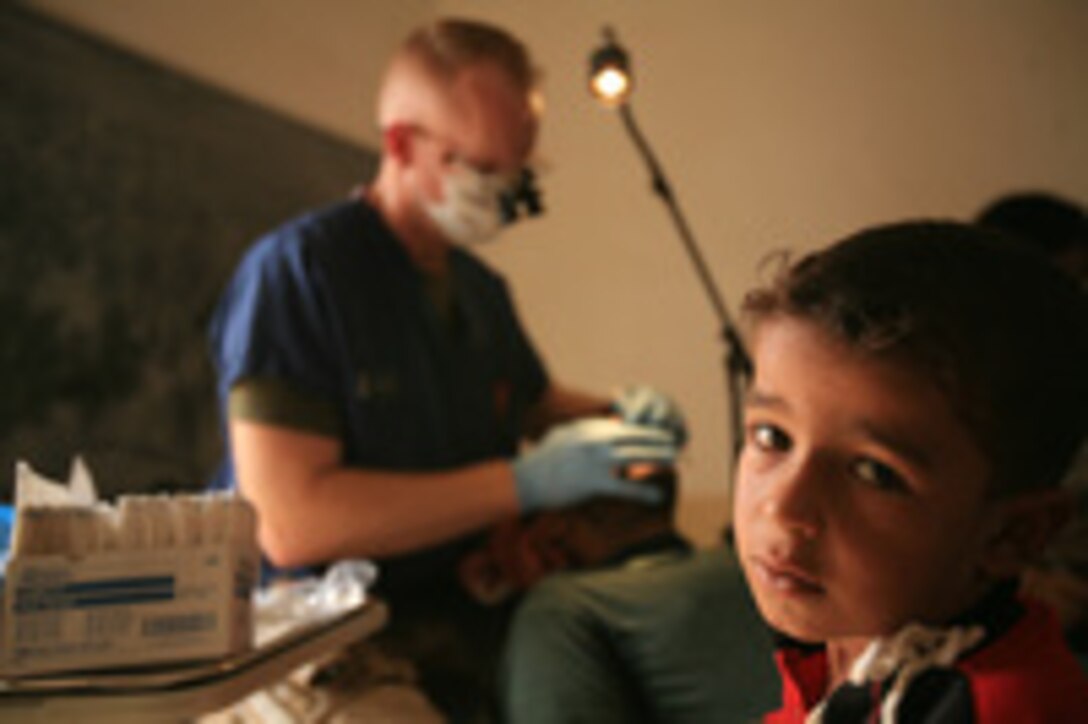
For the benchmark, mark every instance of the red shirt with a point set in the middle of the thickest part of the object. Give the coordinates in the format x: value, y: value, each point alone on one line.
x: 1022, y: 673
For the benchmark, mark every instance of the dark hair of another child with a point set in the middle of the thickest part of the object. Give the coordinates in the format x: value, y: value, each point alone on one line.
x: 997, y: 327
x: 1052, y: 224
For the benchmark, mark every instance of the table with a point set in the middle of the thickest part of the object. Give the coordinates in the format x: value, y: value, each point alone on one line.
x: 182, y: 693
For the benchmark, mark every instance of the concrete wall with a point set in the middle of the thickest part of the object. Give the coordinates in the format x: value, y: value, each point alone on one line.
x: 128, y: 194
x: 781, y: 123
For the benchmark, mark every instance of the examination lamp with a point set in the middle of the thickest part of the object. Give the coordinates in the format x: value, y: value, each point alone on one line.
x: 610, y: 72
x: 610, y: 81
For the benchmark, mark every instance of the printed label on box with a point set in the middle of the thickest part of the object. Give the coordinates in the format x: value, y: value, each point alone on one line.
x: 126, y: 608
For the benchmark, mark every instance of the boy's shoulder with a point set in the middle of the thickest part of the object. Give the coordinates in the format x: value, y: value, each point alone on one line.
x: 1028, y: 672
x: 1023, y: 672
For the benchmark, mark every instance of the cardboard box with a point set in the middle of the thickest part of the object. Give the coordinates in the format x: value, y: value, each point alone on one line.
x: 126, y: 608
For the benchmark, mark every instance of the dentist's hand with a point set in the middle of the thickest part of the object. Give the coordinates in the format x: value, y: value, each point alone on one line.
x: 643, y: 405
x: 586, y: 459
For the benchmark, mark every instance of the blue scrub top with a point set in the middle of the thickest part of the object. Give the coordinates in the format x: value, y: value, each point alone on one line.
x: 331, y: 305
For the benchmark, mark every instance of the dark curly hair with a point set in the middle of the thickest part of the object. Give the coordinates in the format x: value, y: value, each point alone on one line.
x: 1055, y: 225
x: 1001, y: 331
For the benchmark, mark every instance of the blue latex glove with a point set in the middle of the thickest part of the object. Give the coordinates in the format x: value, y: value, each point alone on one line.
x: 585, y: 459
x: 7, y: 523
x: 643, y: 405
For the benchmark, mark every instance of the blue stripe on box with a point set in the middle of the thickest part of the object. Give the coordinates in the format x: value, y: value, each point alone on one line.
x: 114, y: 583
x: 136, y: 597
x: 104, y: 592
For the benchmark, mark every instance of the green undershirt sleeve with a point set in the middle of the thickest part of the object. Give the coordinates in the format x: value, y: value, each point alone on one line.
x: 278, y: 403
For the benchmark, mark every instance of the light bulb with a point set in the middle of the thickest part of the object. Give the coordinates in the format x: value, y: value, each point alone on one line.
x: 610, y: 85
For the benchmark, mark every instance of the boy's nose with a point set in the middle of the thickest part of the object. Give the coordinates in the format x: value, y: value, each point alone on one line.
x: 794, y: 500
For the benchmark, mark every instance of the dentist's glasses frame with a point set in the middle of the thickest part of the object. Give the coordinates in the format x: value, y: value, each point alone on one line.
x: 520, y: 194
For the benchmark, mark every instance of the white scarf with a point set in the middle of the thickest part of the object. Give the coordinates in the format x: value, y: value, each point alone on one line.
x: 904, y: 655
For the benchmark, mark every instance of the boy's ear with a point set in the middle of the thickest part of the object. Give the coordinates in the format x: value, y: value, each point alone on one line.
x: 1023, y: 527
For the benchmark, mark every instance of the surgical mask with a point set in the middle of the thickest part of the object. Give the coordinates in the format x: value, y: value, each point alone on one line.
x: 470, y: 211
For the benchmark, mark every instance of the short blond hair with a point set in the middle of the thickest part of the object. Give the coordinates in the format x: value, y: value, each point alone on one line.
x: 448, y: 45
x: 442, y: 48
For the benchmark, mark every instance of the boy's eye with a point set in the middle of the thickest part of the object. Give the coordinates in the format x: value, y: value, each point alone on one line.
x: 878, y: 475
x: 768, y: 438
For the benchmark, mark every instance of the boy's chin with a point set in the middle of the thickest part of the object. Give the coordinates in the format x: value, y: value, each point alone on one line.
x: 795, y: 625
x: 810, y: 627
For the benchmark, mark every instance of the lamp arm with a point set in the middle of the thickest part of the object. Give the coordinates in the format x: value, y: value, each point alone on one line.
x: 738, y: 361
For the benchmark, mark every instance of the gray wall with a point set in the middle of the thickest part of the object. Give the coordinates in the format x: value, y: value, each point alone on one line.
x: 127, y: 193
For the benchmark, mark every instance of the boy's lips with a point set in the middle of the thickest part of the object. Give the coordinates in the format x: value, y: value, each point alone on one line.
x: 784, y: 576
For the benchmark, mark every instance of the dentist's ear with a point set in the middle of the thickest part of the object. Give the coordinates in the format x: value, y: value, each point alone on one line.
x: 1023, y: 527
x: 397, y: 142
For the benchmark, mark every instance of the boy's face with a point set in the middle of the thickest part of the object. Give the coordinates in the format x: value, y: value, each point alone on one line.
x: 860, y: 502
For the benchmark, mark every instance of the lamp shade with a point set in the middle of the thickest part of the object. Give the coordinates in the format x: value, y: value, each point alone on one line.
x: 610, y: 79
